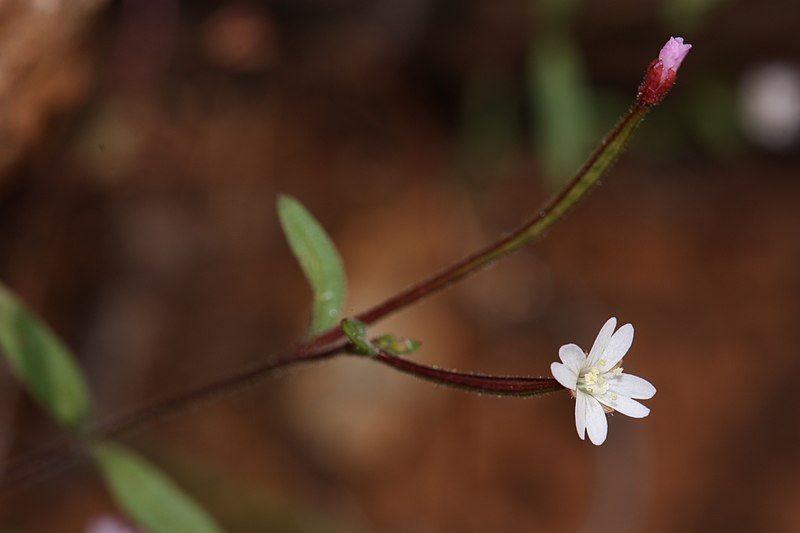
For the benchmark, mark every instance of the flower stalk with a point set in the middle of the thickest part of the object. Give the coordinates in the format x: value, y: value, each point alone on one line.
x: 475, y: 383
x: 598, y: 164
x: 593, y: 384
x: 334, y: 342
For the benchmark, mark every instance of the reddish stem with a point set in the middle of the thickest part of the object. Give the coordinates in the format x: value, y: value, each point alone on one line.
x: 482, y: 258
x: 480, y: 383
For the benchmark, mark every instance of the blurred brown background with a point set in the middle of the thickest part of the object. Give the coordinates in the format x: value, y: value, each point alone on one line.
x: 142, y: 145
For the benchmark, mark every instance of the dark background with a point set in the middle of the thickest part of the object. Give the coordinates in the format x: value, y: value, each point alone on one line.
x: 142, y: 146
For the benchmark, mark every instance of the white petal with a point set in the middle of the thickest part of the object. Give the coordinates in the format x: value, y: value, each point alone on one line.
x: 572, y: 356
x: 625, y: 405
x: 601, y: 341
x: 632, y: 387
x: 581, y: 402
x: 596, y: 423
x: 564, y: 375
x: 618, y: 346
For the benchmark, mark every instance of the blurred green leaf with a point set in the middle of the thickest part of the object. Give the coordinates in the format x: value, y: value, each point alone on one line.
x: 356, y: 331
x: 147, y: 496
x: 712, y: 106
x: 490, y: 124
x: 42, y: 363
x: 397, y: 345
x: 319, y: 260
x: 252, y: 506
x: 558, y: 12
x: 562, y: 102
x: 687, y: 15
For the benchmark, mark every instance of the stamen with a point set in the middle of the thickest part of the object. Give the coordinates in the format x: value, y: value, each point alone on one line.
x: 593, y: 382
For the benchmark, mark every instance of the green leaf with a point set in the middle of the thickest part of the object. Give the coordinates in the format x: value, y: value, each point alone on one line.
x: 147, y: 496
x: 356, y: 331
x: 562, y: 102
x: 319, y: 260
x: 397, y: 346
x: 42, y: 363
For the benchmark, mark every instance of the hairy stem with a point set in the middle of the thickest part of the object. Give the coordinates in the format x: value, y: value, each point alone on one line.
x: 333, y: 341
x: 599, y: 162
x: 46, y: 461
x: 477, y: 383
x: 122, y: 426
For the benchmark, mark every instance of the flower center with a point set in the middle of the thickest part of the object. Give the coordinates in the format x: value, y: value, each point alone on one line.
x: 594, y: 381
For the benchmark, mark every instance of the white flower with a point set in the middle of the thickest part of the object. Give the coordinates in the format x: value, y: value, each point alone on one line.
x: 597, y: 381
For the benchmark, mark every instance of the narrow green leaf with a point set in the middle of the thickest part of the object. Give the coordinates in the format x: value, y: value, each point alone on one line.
x: 319, y: 260
x: 147, y: 496
x: 42, y: 363
x: 356, y: 331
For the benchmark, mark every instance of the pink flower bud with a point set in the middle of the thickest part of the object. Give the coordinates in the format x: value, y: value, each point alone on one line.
x: 660, y: 75
x: 673, y: 53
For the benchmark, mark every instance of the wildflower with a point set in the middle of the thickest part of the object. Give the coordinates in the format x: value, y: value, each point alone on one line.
x: 598, y: 383
x: 660, y: 75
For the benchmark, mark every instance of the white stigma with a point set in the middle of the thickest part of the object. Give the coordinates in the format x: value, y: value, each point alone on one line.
x: 594, y: 381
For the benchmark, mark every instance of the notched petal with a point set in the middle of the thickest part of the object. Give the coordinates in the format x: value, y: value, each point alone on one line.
x: 564, y: 375
x: 596, y: 423
x: 618, y: 346
x: 581, y: 399
x: 624, y: 405
x: 572, y: 355
x: 601, y: 341
x: 633, y: 387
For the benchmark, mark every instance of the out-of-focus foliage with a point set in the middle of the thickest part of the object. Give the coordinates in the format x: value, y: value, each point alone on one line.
x: 559, y: 93
x: 46, y: 367
x: 42, y: 362
x: 148, y: 496
x: 319, y: 260
x: 686, y: 15
x: 713, y: 109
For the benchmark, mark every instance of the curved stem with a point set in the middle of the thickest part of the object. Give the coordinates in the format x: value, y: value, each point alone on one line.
x: 599, y: 162
x: 477, y: 383
x: 121, y: 426
x: 333, y: 341
x: 59, y: 455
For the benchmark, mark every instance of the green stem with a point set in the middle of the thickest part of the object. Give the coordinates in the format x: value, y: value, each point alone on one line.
x: 598, y: 164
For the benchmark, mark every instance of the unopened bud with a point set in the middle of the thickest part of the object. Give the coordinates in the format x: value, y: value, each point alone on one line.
x: 660, y: 75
